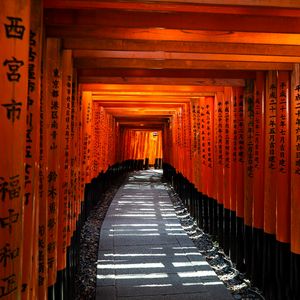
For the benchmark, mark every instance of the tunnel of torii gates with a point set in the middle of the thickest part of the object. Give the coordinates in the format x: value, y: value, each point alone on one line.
x: 79, y: 106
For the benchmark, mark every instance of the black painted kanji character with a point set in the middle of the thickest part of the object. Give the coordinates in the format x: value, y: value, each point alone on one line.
x: 13, y: 110
x: 14, y: 29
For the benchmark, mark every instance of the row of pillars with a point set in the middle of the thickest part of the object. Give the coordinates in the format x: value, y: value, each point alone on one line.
x: 266, y: 261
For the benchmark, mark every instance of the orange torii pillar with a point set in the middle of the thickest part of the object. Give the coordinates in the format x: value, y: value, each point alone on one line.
x: 249, y: 171
x: 228, y: 98
x: 65, y: 170
x: 270, y: 178
x: 283, y: 186
x: 32, y: 154
x: 233, y: 163
x: 258, y: 178
x: 53, y: 108
x: 240, y: 179
x: 14, y: 41
x: 209, y: 135
x: 219, y: 155
x: 295, y: 184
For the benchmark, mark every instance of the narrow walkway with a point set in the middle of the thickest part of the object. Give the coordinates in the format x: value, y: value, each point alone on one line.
x: 145, y: 254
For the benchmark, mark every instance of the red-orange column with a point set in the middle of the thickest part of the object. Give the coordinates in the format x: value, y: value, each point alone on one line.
x: 31, y: 203
x: 96, y: 119
x: 234, y: 147
x: 283, y: 188
x: 53, y: 78
x: 259, y: 152
x: 203, y: 136
x: 14, y: 41
x: 210, y: 145
x: 195, y: 127
x: 249, y: 171
x: 295, y: 162
x: 270, y: 156
x: 87, y: 133
x: 249, y: 151
x: 240, y: 154
x: 219, y: 140
x: 189, y: 143
x: 42, y: 195
x: 65, y: 158
x: 227, y: 165
x: 226, y: 146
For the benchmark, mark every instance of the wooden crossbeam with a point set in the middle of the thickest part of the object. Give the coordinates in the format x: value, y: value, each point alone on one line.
x: 178, y: 64
x: 165, y: 73
x: 163, y: 80
x: 165, y: 55
x: 181, y: 46
x: 248, y: 7
x: 183, y: 21
x: 91, y: 31
x: 104, y: 88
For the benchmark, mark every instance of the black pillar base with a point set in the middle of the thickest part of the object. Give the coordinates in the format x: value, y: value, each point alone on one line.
x: 226, y: 231
x: 233, y: 235
x: 240, y: 261
x: 248, y: 249
x: 257, y: 257
x: 269, y: 269
x: 221, y: 224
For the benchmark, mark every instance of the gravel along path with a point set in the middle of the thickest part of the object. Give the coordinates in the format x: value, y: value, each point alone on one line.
x: 239, y: 286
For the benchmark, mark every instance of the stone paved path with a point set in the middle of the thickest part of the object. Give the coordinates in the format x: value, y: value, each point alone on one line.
x: 145, y: 254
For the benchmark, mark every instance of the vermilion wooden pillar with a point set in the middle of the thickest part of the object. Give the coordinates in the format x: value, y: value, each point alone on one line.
x: 14, y: 41
x: 32, y: 154
x: 249, y: 171
x: 258, y: 178
x: 227, y: 115
x: 65, y: 169
x: 53, y: 93
x: 233, y: 162
x: 219, y: 140
x: 270, y: 179
x: 240, y: 190
x: 283, y: 188
x: 295, y: 183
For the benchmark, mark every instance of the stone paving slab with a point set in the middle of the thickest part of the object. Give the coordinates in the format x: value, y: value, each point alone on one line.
x: 145, y: 254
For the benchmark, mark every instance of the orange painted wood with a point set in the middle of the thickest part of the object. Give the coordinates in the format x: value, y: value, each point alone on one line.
x: 161, y: 80
x: 219, y: 141
x: 261, y: 8
x: 182, y: 46
x: 240, y: 190
x: 163, y: 55
x: 283, y: 188
x: 196, y: 142
x: 65, y: 158
x: 86, y: 135
x: 53, y: 95
x: 209, y: 128
x: 249, y: 152
x: 182, y: 21
x: 204, y: 146
x: 259, y: 151
x: 270, y: 155
x: 14, y: 40
x: 220, y: 36
x: 42, y: 195
x: 31, y: 203
x: 295, y: 161
x: 233, y: 147
x: 85, y: 63
x: 226, y: 145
